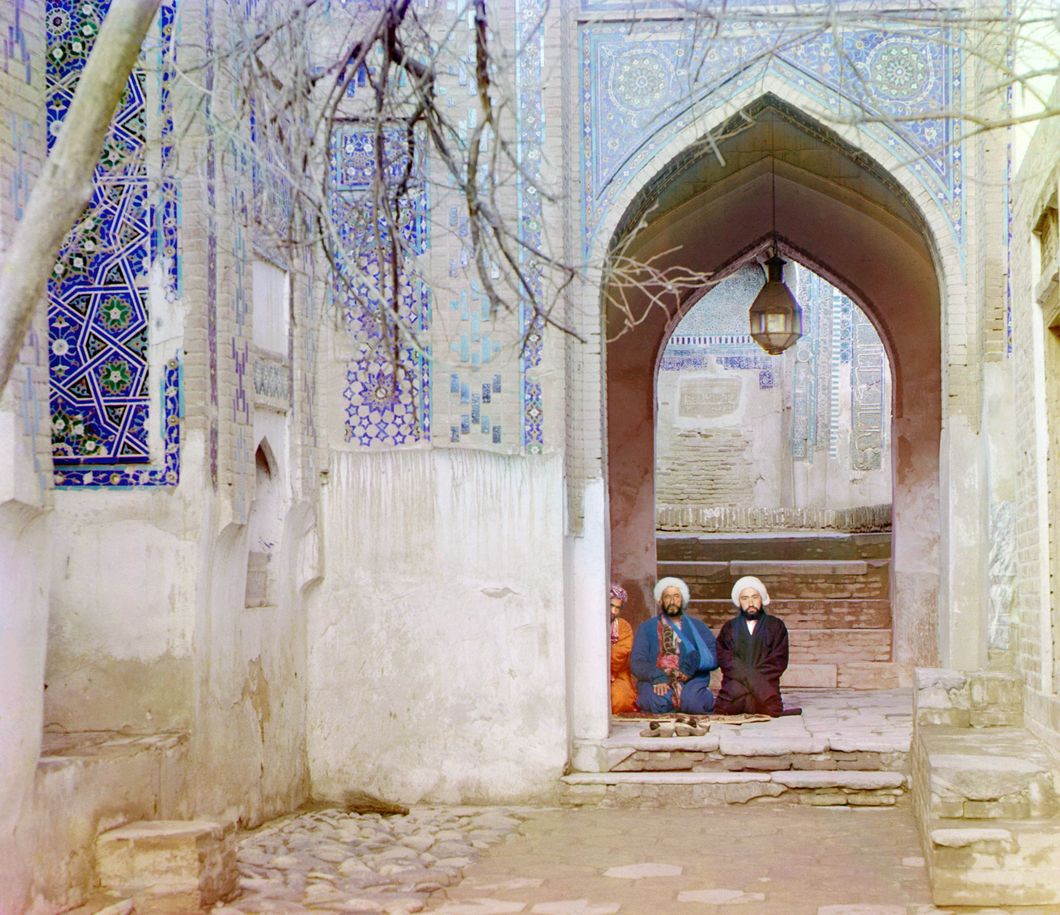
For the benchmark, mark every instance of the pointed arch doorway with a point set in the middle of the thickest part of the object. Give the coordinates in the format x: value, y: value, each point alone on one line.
x: 843, y: 216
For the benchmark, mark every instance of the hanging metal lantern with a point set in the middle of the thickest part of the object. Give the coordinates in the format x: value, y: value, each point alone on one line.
x: 776, y: 318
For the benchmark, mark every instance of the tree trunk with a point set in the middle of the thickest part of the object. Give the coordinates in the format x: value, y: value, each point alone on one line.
x: 64, y: 187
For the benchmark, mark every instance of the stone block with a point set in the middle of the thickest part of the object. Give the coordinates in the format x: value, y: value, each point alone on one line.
x: 193, y: 861
x: 867, y: 675
x: 591, y: 757
x: 927, y: 677
x: 758, y: 763
x: 987, y: 886
x: 859, y: 781
x: 822, y: 799
x: 809, y: 675
x: 996, y: 716
x: 580, y: 795
x: 860, y: 799
x: 1016, y: 808
x: 992, y: 688
x: 952, y: 717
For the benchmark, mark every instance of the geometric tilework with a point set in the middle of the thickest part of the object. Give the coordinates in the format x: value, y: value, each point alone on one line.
x: 13, y: 45
x: 118, y: 476
x: 98, y: 292
x: 868, y: 393
x: 530, y: 128
x: 388, y: 382
x: 636, y: 94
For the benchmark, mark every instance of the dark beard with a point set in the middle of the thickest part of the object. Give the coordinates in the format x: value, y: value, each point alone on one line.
x: 672, y: 611
x: 753, y: 613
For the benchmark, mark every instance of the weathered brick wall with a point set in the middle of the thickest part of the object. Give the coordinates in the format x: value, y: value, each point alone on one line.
x: 1036, y: 354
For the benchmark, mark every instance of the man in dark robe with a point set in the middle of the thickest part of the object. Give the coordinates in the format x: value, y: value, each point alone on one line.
x: 752, y: 653
x: 673, y: 655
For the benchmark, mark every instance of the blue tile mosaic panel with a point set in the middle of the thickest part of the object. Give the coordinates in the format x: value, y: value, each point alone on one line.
x: 642, y: 82
x: 388, y: 382
x: 168, y: 474
x: 530, y: 118
x: 98, y: 309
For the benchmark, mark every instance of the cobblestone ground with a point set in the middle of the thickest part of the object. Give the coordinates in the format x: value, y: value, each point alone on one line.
x: 769, y: 859
x: 334, y: 861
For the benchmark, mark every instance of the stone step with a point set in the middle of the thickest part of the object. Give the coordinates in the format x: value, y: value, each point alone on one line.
x: 709, y: 789
x: 189, y: 863
x: 85, y: 779
x: 995, y: 862
x: 988, y: 773
x: 673, y: 547
x: 833, y: 580
x: 841, y: 613
x: 734, y: 751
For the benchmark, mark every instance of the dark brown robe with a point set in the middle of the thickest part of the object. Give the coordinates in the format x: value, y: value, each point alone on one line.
x: 751, y: 665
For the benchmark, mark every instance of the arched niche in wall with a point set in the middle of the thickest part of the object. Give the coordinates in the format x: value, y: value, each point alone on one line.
x: 838, y: 212
x: 264, y: 528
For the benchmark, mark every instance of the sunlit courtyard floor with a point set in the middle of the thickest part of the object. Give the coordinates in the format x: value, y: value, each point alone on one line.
x: 777, y: 859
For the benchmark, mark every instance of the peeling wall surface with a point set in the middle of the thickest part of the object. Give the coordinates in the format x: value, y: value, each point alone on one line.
x: 436, y: 649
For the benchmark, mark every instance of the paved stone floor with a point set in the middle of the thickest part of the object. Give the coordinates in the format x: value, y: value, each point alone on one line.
x: 771, y: 859
x: 841, y: 719
x: 775, y: 859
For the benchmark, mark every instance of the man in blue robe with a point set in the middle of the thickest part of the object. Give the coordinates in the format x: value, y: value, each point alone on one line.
x: 673, y: 655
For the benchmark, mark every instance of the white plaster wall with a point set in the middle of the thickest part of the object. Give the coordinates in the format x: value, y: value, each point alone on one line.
x: 23, y: 623
x: 122, y: 589
x: 436, y: 640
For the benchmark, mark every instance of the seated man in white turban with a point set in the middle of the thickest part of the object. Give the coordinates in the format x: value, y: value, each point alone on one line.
x: 753, y: 653
x: 673, y: 656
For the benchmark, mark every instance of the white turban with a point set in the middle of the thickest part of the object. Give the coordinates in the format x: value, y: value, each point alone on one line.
x: 749, y: 581
x: 663, y: 583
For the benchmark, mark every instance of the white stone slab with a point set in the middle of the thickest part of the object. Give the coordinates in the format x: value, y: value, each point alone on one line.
x: 481, y: 907
x: 961, y: 838
x: 645, y: 869
x: 517, y: 883
x: 855, y: 779
x: 664, y: 778
x: 719, y: 896
x: 576, y: 907
x: 845, y: 743
x: 861, y: 909
x: 761, y: 744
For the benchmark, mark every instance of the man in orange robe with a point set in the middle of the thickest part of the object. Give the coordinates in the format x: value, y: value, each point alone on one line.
x: 623, y: 687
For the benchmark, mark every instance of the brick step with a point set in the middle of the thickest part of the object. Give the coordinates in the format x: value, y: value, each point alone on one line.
x: 710, y: 789
x: 682, y: 547
x: 840, y: 579
x: 870, y: 613
x: 994, y: 863
x: 988, y: 773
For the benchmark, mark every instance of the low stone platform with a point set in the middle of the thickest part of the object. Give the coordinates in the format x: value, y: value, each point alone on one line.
x: 847, y: 747
x: 987, y: 797
x: 178, y: 864
x: 86, y: 782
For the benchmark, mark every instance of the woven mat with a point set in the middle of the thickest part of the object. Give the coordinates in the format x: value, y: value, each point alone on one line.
x: 670, y: 718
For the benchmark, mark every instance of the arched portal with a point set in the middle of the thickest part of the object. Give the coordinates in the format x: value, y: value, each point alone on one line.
x: 839, y: 213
